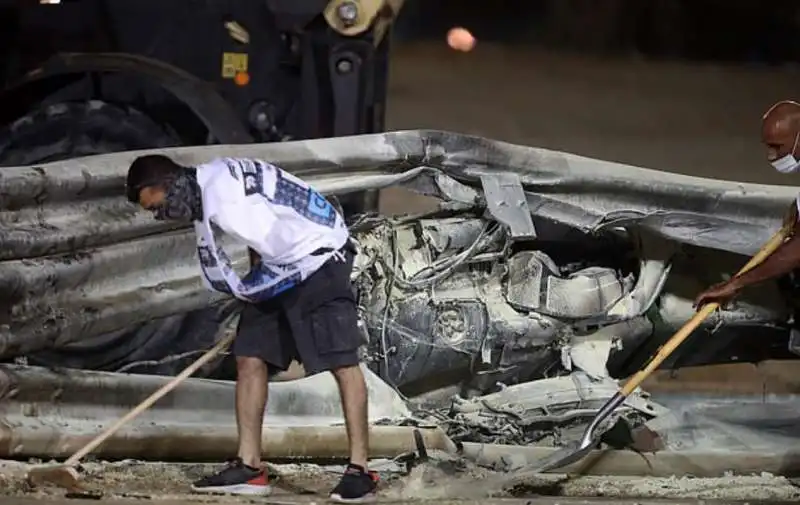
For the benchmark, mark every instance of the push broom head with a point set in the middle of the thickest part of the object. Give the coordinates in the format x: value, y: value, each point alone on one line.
x: 64, y: 476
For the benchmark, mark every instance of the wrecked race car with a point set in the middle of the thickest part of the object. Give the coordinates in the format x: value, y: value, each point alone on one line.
x: 510, y: 311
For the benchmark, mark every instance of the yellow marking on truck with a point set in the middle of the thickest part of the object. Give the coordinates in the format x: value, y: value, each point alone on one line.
x: 232, y: 64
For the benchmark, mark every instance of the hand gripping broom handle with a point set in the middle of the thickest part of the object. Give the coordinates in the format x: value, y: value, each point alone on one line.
x: 147, y: 403
x: 687, y: 329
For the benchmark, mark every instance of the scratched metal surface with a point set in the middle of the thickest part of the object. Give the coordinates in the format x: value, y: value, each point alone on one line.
x: 78, y: 261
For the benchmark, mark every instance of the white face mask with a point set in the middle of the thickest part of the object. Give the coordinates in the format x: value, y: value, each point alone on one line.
x: 788, y: 164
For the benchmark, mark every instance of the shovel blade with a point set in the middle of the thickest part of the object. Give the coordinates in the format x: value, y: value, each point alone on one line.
x: 565, y: 456
x: 619, y: 436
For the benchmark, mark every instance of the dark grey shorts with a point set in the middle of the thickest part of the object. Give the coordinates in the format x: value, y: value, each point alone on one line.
x: 315, y: 323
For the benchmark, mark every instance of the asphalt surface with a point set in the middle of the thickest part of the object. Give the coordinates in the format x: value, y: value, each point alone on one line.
x: 698, y: 119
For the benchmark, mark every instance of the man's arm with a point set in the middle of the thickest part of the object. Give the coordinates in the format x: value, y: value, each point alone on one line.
x: 782, y: 261
x: 779, y: 263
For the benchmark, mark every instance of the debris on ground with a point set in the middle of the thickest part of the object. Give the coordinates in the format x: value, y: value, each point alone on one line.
x: 440, y: 477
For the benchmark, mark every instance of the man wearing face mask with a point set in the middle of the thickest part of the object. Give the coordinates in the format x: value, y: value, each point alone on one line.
x: 780, y: 133
x: 300, y: 304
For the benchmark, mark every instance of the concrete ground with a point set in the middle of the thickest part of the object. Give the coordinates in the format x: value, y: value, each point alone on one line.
x: 315, y: 500
x: 443, y: 479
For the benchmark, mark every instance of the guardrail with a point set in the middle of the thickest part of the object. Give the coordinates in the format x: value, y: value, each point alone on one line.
x: 49, y: 413
x: 52, y: 413
x: 78, y: 261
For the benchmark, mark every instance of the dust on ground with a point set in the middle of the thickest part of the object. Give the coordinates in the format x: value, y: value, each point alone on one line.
x: 440, y: 478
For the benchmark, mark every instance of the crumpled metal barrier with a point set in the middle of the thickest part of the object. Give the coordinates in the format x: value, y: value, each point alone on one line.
x: 52, y: 413
x: 79, y: 261
x: 695, y: 463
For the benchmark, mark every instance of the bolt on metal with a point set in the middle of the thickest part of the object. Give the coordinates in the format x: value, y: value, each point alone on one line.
x: 348, y: 13
x: 344, y: 66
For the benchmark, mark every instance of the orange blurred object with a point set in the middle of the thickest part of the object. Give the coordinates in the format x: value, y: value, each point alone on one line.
x: 241, y: 78
x: 460, y: 39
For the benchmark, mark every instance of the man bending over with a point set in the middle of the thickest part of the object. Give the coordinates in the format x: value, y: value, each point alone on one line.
x: 299, y: 300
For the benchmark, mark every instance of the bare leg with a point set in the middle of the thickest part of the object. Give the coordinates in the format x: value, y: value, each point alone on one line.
x: 353, y: 391
x: 251, y: 398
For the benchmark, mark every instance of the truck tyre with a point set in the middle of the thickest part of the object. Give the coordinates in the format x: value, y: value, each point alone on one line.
x: 73, y: 129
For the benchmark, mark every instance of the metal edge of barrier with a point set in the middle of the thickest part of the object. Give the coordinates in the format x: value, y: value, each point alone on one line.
x: 49, y: 413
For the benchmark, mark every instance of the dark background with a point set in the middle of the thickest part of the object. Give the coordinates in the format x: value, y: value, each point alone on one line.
x: 684, y: 29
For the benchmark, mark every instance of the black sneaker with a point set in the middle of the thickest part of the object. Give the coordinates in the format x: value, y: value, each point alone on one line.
x: 236, y: 478
x: 356, y: 486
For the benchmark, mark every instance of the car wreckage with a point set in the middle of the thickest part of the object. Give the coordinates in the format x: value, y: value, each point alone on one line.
x: 507, y: 315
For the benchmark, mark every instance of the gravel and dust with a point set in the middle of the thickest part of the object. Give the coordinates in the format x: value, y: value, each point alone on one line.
x: 442, y: 477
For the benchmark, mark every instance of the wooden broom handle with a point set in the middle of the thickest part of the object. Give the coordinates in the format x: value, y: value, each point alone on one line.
x: 150, y: 400
x: 665, y: 350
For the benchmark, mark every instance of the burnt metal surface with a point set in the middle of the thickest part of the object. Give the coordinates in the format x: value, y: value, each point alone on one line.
x: 506, y: 203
